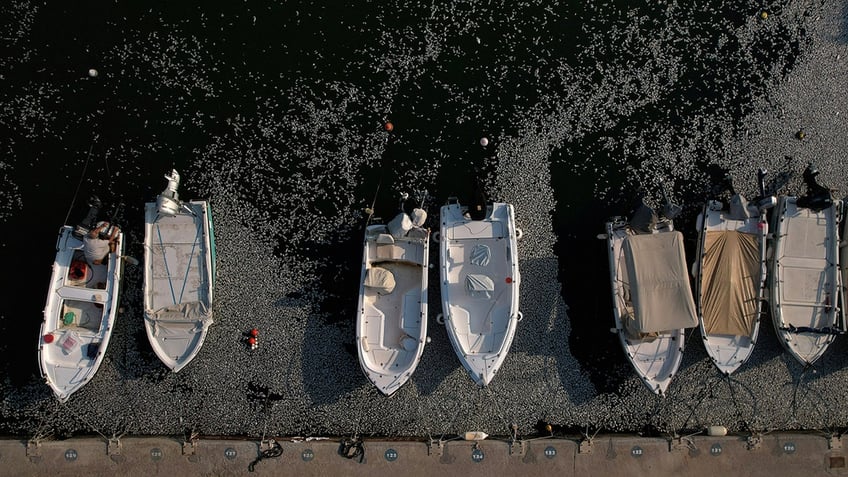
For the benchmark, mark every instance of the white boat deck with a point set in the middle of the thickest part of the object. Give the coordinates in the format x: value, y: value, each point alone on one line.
x: 480, y: 282
x: 78, y: 317
x: 178, y: 282
x: 392, y: 325
x: 805, y: 279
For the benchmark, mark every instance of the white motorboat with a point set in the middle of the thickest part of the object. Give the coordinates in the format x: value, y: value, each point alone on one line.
x: 82, y: 303
x: 391, y: 324
x: 179, y: 275
x: 730, y: 272
x: 805, y: 276
x: 480, y: 281
x: 651, y: 293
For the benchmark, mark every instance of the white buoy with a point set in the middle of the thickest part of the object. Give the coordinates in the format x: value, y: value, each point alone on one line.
x: 93, y: 73
x: 484, y: 141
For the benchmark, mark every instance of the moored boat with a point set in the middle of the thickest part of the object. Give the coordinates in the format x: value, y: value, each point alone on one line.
x: 805, y: 277
x: 391, y: 321
x: 82, y: 304
x: 179, y: 275
x: 730, y: 275
x: 652, y: 296
x: 480, y: 282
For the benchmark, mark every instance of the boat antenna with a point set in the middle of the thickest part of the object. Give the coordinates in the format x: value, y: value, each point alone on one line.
x: 82, y: 176
x: 761, y: 181
x: 421, y: 195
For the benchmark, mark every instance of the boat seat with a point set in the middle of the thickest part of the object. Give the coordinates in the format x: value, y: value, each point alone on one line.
x: 384, y: 239
x: 380, y: 280
x: 389, y: 251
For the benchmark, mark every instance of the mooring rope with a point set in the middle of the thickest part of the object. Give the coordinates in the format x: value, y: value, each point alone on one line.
x: 38, y: 436
x: 808, y: 390
x: 730, y: 381
x: 353, y: 447
x: 86, y: 423
x: 275, y: 450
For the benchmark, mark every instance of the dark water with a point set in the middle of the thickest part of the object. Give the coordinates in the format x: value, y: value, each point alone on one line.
x: 202, y: 87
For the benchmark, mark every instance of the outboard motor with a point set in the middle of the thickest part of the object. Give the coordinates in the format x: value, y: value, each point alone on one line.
x: 168, y: 202
x: 763, y: 202
x: 90, y: 220
x: 739, y: 207
x: 644, y: 219
x: 477, y: 207
x: 670, y: 210
x: 818, y: 197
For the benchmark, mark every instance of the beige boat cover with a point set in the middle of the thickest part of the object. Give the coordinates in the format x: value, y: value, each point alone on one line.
x: 380, y: 280
x: 729, y: 283
x: 659, y: 282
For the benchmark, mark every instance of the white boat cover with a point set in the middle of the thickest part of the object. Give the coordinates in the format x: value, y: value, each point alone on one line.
x: 730, y: 282
x: 419, y: 216
x: 480, y: 255
x: 400, y: 225
x: 659, y: 282
x: 479, y: 285
x: 380, y: 280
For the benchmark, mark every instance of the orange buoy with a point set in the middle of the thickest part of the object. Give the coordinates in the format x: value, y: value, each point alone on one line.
x: 48, y: 338
x: 509, y: 279
x: 254, y: 332
x: 251, y: 341
x: 389, y: 126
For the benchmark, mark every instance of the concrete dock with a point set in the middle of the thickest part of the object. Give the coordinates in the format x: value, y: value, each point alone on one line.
x: 699, y: 455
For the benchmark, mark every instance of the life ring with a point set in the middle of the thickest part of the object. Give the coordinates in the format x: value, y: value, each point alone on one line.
x: 440, y: 319
x: 518, y: 234
x: 437, y: 237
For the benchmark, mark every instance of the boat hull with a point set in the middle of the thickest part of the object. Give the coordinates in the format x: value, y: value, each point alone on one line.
x: 730, y: 283
x: 805, y: 278
x: 179, y: 277
x: 479, y: 286
x: 391, y: 321
x: 79, y: 315
x: 657, y: 358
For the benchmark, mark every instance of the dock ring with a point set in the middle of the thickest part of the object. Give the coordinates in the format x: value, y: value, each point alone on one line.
x: 518, y: 234
x: 520, y: 316
x: 437, y: 237
x: 440, y: 319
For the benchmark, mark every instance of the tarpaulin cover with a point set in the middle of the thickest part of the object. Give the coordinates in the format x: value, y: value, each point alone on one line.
x: 479, y: 285
x: 480, y: 255
x: 730, y: 282
x: 659, y: 282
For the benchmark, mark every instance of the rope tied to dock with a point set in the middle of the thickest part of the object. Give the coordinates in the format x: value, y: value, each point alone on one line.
x: 352, y: 448
x: 276, y: 450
